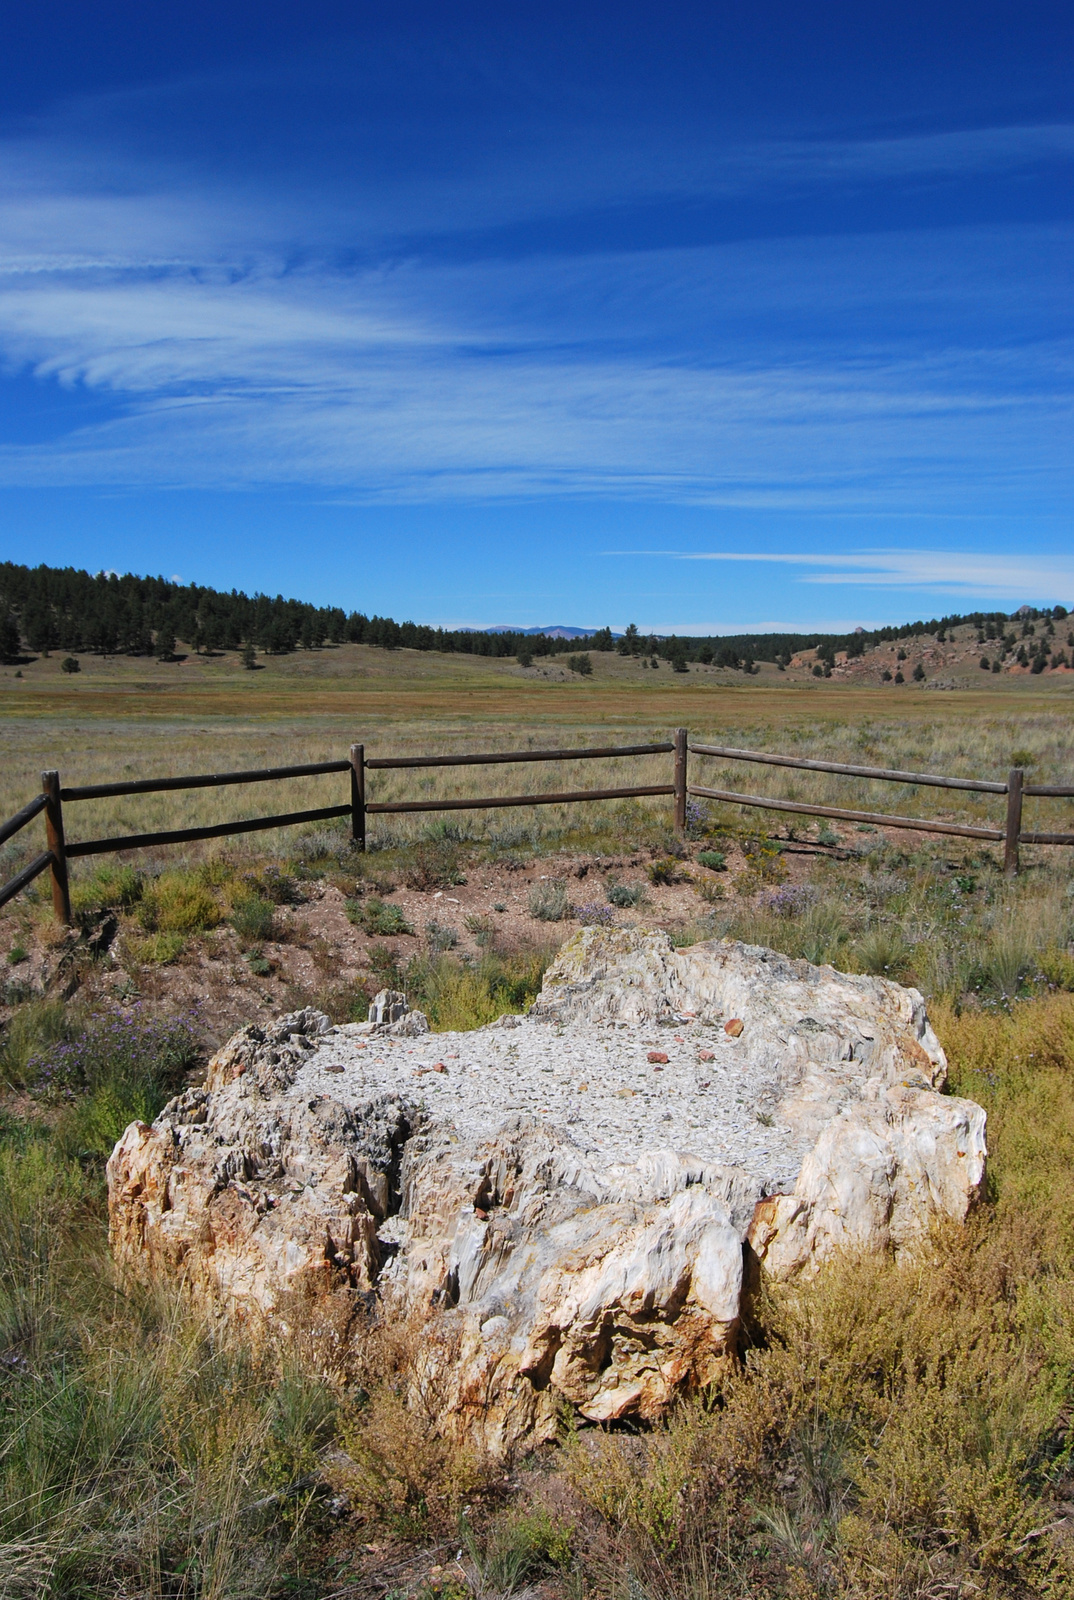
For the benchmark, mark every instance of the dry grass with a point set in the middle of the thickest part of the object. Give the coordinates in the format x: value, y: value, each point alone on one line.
x: 134, y: 1450
x: 117, y: 724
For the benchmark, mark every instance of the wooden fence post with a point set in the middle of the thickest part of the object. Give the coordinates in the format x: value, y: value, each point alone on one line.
x: 358, y: 795
x: 679, y: 780
x: 1014, y: 821
x: 61, y: 893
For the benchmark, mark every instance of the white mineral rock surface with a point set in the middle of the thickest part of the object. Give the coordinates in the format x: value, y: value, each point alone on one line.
x: 567, y: 1216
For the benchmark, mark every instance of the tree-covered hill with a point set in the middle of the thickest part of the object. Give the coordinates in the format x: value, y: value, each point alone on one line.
x: 64, y: 608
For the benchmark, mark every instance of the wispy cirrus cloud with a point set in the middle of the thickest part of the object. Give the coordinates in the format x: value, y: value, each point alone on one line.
x: 262, y: 332
x: 981, y: 573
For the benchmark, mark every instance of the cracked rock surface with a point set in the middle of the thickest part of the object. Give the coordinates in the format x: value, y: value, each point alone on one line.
x: 578, y: 1214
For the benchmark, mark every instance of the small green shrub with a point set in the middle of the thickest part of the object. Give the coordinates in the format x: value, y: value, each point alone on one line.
x: 1057, y: 968
x: 581, y: 664
x: 17, y: 954
x: 626, y: 895
x: 177, y: 902
x: 385, y: 968
x: 885, y: 952
x: 715, y: 860
x: 111, y: 887
x: 156, y: 949
x: 665, y: 870
x: 373, y: 916
x: 517, y: 1548
x: 253, y: 918
x: 217, y: 872
x: 440, y: 936
x: 434, y: 864
x: 764, y: 861
x: 458, y: 996
x: 549, y: 901
x: 483, y: 931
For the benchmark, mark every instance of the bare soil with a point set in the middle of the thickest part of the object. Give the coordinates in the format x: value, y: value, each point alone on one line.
x: 319, y: 956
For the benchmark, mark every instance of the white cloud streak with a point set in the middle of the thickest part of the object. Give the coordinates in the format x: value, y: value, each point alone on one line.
x: 980, y: 573
x: 228, y: 365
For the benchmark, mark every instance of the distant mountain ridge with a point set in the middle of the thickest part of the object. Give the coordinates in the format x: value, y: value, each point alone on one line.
x: 558, y: 630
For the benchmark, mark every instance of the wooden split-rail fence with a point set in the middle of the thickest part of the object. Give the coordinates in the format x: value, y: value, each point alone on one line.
x: 59, y: 849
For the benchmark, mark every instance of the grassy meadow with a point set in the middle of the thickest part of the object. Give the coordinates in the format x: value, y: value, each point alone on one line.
x: 124, y: 718
x: 895, y: 1432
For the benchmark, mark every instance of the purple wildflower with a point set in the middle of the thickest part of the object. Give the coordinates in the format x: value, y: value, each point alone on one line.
x: 791, y: 900
x: 595, y: 915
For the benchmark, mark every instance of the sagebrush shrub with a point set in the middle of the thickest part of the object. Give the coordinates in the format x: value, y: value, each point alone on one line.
x: 626, y: 895
x: 434, y: 864
x: 549, y: 900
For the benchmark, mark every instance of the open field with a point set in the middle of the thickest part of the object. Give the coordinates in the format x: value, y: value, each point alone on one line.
x: 125, y: 718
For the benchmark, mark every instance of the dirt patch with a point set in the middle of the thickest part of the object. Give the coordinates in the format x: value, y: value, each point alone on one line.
x: 328, y: 948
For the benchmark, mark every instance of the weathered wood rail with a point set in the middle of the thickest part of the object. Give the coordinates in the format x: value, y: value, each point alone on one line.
x: 59, y: 850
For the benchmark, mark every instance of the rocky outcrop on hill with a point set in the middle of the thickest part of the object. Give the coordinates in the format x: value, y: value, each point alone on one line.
x: 576, y: 1206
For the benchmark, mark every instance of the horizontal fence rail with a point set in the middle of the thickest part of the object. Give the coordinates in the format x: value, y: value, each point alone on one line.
x: 522, y: 755
x: 205, y: 780
x: 25, y: 877
x: 880, y: 818
x: 520, y: 799
x: 887, y: 774
x: 54, y: 858
x: 216, y: 830
x: 21, y: 818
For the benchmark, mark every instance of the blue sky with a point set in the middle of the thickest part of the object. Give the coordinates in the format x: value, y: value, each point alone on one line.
x: 704, y: 317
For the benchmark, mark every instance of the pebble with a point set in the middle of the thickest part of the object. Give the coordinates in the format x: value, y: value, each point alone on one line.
x: 595, y: 1081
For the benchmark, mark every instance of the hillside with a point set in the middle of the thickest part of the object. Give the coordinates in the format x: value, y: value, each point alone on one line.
x: 46, y: 609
